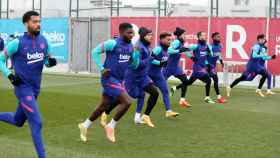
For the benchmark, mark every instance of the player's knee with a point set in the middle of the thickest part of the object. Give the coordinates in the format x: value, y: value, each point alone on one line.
x: 19, y: 124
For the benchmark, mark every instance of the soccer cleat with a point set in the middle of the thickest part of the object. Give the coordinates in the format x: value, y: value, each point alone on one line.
x: 83, y: 132
x: 110, y: 134
x: 209, y: 100
x: 228, y: 89
x: 147, y: 120
x: 259, y: 93
x: 184, y: 104
x: 137, y: 120
x: 103, y: 119
x: 172, y: 90
x: 269, y: 92
x: 222, y: 100
x: 171, y: 114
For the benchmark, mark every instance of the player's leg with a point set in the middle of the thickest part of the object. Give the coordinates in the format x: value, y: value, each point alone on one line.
x: 122, y: 108
x: 183, y: 86
x: 191, y: 80
x: 243, y: 77
x: 18, y: 118
x: 161, y: 83
x: 207, y: 80
x: 151, y: 102
x: 220, y: 99
x: 269, y: 79
x: 30, y: 108
x: 139, y: 106
x: 264, y: 75
x: 101, y: 107
x: 104, y: 115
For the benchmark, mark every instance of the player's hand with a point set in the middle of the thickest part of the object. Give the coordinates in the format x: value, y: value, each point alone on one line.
x: 194, y: 59
x: 273, y: 56
x: 183, y: 49
x: 15, y: 80
x: 105, y: 72
x: 52, y: 62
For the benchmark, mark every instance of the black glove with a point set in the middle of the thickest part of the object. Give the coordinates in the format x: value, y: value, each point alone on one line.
x: 273, y: 56
x: 222, y: 62
x: 15, y: 80
x: 194, y: 59
x: 163, y: 63
x: 52, y: 62
x: 105, y: 72
x: 183, y: 49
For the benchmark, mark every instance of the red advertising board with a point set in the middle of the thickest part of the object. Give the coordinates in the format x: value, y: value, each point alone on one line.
x: 274, y: 45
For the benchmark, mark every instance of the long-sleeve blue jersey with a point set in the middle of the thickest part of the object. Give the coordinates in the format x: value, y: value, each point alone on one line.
x: 118, y: 53
x: 29, y: 54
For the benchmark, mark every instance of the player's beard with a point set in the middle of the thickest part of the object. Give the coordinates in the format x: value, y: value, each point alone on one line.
x: 126, y: 40
x: 216, y: 41
x: 202, y: 42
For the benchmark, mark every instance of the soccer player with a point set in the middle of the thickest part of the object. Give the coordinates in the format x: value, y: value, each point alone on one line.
x: 160, y: 55
x: 212, y: 60
x: 256, y: 66
x: 118, y: 52
x: 201, y: 53
x: 173, y: 68
x: 137, y: 80
x: 29, y: 53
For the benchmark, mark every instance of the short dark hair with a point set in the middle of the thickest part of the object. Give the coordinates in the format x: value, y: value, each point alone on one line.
x: 124, y: 26
x: 199, y: 34
x: 260, y: 36
x: 27, y: 16
x: 215, y: 34
x: 164, y: 34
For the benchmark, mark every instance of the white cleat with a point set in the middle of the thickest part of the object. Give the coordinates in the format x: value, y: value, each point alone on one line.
x: 83, y: 132
x: 228, y: 89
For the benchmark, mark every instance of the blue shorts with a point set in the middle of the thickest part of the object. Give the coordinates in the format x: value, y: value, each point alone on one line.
x: 135, y: 86
x: 25, y: 90
x: 178, y: 71
x: 199, y: 71
x: 251, y: 74
x: 112, y: 87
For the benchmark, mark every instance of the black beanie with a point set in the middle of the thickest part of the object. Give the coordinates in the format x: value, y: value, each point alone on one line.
x: 178, y: 32
x: 143, y: 31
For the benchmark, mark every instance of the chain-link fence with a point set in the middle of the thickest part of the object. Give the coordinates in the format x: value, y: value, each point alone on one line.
x: 107, y: 8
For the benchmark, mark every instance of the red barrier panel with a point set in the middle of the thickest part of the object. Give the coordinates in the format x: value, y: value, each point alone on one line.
x: 274, y: 45
x: 238, y: 34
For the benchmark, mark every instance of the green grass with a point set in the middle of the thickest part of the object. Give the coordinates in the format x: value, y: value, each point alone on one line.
x: 246, y: 127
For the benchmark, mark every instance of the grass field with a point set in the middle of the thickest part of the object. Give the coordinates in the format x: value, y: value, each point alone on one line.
x: 246, y: 127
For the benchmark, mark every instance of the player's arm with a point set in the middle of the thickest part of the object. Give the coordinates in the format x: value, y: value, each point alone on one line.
x: 256, y: 52
x: 173, y: 48
x: 156, y: 51
x: 10, y: 49
x: 49, y: 61
x: 101, y: 48
x: 136, y: 61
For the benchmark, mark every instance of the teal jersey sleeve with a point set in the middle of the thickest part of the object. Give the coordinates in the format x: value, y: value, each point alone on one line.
x: 101, y: 48
x: 173, y: 49
x: 135, y: 59
x: 191, y: 47
x: 10, y: 49
x: 48, y: 53
x: 156, y: 51
x: 211, y: 54
x: 256, y: 53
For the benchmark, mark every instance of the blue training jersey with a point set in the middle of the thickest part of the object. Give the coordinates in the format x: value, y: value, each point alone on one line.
x: 258, y: 57
x: 118, y: 53
x: 217, y: 55
x: 29, y: 54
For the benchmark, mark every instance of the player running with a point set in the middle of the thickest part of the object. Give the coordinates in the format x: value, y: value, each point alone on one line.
x: 137, y: 80
x: 30, y: 52
x: 212, y: 67
x: 173, y: 68
x: 160, y: 55
x: 118, y: 52
x: 256, y: 66
x: 201, y: 53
